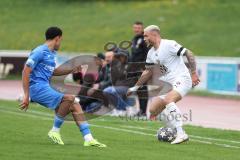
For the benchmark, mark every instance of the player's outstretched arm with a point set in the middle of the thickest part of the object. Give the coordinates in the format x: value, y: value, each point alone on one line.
x: 146, y: 76
x: 64, y: 71
x: 25, y: 80
x: 192, y: 66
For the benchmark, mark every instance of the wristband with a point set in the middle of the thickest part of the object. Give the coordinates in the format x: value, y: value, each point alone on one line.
x: 133, y: 89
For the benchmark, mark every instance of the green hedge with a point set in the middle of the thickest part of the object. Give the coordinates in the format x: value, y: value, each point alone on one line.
x: 209, y: 28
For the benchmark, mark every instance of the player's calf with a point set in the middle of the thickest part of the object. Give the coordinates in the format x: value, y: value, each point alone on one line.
x: 61, y: 112
x: 79, y: 118
x: 157, y: 106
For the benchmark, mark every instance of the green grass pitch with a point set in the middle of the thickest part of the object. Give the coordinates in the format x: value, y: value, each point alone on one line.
x: 24, y: 136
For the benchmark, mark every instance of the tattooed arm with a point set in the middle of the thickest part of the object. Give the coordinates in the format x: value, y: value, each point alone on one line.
x: 191, y: 60
x: 192, y: 67
x: 146, y: 75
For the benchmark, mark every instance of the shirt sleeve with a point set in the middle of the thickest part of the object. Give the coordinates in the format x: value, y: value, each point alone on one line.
x: 34, y: 59
x: 176, y: 49
x: 149, y: 62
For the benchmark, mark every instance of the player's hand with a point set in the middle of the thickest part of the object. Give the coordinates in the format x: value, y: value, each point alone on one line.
x: 129, y: 93
x: 25, y: 103
x: 195, y: 79
x: 131, y: 90
x: 77, y: 69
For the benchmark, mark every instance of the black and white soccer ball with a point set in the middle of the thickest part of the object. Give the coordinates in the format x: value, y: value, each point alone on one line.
x: 166, y: 134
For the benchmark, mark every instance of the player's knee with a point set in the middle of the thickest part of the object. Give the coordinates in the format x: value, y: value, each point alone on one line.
x: 152, y: 111
x: 69, y: 97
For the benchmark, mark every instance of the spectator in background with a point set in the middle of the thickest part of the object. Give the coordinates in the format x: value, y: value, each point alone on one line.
x: 90, y: 104
x: 139, y: 52
x: 91, y: 99
x: 139, y: 48
x: 116, y: 93
x: 100, y: 61
x: 77, y: 77
x: 104, y: 76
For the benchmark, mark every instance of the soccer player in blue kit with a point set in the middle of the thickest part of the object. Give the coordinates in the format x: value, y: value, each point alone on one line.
x: 37, y: 72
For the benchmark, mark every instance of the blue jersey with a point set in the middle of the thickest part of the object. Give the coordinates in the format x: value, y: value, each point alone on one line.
x: 42, y: 62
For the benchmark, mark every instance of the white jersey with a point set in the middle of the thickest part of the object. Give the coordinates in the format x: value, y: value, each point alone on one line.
x: 169, y: 58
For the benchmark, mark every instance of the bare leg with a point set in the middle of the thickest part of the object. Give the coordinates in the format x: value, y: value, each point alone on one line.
x: 64, y: 108
x: 79, y: 118
x: 158, y: 105
x: 77, y: 113
x: 172, y: 96
x: 61, y: 112
x: 68, y: 105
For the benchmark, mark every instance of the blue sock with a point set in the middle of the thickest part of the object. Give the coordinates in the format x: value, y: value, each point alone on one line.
x: 84, y: 128
x: 58, y: 121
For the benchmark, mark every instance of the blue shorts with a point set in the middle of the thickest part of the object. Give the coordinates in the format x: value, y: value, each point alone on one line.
x: 45, y: 95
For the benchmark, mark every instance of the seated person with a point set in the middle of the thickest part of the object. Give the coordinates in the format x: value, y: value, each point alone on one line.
x: 88, y: 102
x: 104, y: 72
x: 117, y: 92
x: 104, y: 77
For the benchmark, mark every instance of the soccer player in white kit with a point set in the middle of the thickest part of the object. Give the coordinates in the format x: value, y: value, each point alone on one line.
x: 168, y: 54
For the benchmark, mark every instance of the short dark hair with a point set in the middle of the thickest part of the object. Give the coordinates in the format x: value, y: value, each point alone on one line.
x: 100, y: 56
x: 138, y: 23
x: 53, y: 32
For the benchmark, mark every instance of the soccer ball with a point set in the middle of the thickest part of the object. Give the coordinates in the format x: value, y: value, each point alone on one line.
x: 166, y: 134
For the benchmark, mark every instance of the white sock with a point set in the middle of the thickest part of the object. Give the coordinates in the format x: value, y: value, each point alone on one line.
x: 175, y: 121
x: 55, y: 129
x: 180, y: 130
x: 88, y: 137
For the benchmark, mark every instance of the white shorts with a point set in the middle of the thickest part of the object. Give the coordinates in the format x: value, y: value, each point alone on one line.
x: 182, y: 84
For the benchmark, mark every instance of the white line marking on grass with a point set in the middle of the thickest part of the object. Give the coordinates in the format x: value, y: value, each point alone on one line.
x: 26, y: 115
x: 215, y: 139
x: 2, y: 108
x: 141, y: 128
x: 124, y: 130
x: 148, y: 134
x: 218, y: 144
x: 193, y: 136
x: 41, y: 113
x: 47, y: 117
